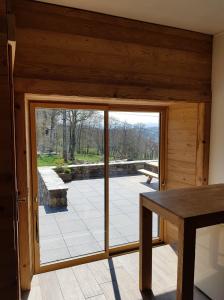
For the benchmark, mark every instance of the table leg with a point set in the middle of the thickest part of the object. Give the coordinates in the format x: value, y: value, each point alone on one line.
x: 186, y: 259
x: 149, y: 179
x: 145, y: 251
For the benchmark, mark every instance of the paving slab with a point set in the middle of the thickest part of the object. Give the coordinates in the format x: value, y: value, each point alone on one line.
x: 79, y: 229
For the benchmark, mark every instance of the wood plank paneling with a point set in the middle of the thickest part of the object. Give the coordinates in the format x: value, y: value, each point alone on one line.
x: 24, y: 193
x: 2, y: 7
x: 9, y: 278
x: 182, y: 142
x: 102, y: 26
x: 187, y: 157
x: 91, y: 53
x: 64, y: 51
x: 102, y: 90
x: 202, y: 167
x: 182, y: 154
x: 117, y: 57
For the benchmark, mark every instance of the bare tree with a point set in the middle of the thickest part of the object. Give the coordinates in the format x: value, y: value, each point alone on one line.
x: 75, y: 117
x: 65, y: 153
x: 71, y: 132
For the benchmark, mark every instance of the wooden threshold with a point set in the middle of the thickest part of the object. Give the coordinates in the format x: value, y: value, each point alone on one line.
x: 113, y: 251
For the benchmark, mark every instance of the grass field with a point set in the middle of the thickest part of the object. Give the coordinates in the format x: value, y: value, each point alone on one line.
x: 54, y: 160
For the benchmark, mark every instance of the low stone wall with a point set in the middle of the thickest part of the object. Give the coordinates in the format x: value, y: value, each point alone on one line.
x: 116, y: 169
x: 51, y: 189
x: 53, y: 192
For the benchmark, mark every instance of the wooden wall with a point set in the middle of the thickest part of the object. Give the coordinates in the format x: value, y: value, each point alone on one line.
x: 187, y: 150
x: 182, y: 145
x: 63, y: 51
x: 74, y: 52
x: 9, y: 280
x: 186, y: 165
x: 25, y: 193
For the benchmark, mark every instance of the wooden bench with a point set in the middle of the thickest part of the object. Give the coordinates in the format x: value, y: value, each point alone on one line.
x: 149, y: 174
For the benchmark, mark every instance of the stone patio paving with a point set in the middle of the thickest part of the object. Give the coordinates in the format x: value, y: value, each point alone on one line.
x: 79, y: 229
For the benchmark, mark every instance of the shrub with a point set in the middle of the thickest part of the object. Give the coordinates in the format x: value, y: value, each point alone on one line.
x: 59, y: 162
x: 67, y: 171
x: 59, y: 169
x: 59, y: 166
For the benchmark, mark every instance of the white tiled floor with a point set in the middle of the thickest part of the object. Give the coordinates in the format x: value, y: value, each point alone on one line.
x: 79, y: 229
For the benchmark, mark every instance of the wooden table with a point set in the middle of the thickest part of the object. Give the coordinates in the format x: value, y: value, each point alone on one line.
x: 189, y: 209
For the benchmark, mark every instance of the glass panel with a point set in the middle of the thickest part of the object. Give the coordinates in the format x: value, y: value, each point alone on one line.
x: 134, y: 154
x: 70, y: 159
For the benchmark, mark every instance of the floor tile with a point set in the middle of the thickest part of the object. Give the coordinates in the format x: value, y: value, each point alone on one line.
x: 52, y: 242
x: 67, y: 226
x: 82, y: 223
x: 54, y: 255
x: 83, y: 249
x: 78, y: 238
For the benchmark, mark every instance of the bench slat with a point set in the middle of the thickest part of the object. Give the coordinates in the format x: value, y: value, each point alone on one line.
x: 148, y: 173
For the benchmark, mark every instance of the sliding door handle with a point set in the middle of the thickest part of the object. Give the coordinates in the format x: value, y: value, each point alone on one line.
x: 37, y: 228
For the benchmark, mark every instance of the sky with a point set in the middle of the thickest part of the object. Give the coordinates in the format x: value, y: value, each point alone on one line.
x: 136, y: 117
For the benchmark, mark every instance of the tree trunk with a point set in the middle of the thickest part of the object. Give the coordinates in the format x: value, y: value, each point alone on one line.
x: 65, y: 154
x: 73, y: 125
x: 52, y: 131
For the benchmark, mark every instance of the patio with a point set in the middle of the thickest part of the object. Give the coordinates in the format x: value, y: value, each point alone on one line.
x: 79, y: 229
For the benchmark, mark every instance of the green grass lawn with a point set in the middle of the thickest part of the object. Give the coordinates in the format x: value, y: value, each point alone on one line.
x: 54, y: 160
x: 90, y: 158
x: 49, y: 160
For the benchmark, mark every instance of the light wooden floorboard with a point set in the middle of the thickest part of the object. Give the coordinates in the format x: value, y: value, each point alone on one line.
x: 124, y: 287
x: 87, y: 282
x: 113, y: 279
x: 69, y: 285
x: 100, y: 297
x: 34, y: 294
x: 50, y: 287
x: 100, y: 272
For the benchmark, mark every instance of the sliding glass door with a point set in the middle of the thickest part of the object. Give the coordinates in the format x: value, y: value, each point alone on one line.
x: 70, y: 171
x: 134, y: 156
x: 89, y: 165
